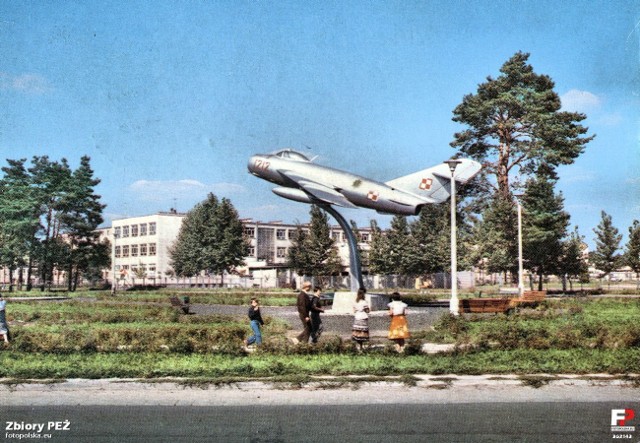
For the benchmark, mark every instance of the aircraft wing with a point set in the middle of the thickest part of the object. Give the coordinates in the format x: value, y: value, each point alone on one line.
x: 319, y: 191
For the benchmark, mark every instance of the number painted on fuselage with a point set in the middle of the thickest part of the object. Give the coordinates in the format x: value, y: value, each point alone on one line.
x: 262, y: 164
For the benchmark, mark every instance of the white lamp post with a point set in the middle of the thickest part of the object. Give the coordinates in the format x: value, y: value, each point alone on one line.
x: 454, y: 307
x: 520, y: 266
x: 113, y: 262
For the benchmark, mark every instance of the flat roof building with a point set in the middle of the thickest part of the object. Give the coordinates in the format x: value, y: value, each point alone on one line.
x: 141, y: 248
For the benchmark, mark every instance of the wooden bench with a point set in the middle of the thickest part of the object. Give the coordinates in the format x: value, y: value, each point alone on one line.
x: 176, y: 303
x: 484, y: 305
x: 529, y: 297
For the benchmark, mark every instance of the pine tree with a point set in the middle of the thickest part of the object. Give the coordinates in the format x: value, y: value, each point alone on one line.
x: 544, y: 225
x: 81, y: 214
x: 496, y: 237
x: 379, y: 251
x: 18, y: 218
x: 632, y: 251
x: 323, y: 253
x: 50, y: 182
x: 430, y: 249
x: 572, y: 262
x: 298, y: 257
x: 399, y: 239
x: 516, y: 126
x: 605, y: 257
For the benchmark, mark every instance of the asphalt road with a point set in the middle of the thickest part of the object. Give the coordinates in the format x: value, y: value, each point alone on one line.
x: 437, y: 409
x: 501, y: 422
x: 419, y: 318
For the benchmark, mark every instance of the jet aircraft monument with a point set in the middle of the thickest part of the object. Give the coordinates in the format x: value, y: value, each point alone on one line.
x: 299, y: 179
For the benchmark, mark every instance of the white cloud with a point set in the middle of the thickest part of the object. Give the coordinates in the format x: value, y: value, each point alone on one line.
x: 26, y: 83
x: 580, y: 101
x: 163, y: 190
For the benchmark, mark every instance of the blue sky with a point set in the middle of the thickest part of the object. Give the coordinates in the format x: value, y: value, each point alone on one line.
x: 171, y: 98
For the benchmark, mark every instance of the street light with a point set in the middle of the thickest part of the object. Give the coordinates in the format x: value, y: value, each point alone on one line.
x: 520, y: 265
x: 454, y: 307
x: 113, y: 262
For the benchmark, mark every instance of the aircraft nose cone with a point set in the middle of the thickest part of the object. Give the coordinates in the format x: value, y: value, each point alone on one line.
x: 251, y: 164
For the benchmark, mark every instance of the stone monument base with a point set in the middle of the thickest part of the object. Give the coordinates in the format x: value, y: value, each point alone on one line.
x: 343, y: 302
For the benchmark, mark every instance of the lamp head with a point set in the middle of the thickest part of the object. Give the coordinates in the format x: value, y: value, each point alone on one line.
x: 452, y: 163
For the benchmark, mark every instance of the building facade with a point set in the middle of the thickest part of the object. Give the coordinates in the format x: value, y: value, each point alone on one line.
x: 140, y: 251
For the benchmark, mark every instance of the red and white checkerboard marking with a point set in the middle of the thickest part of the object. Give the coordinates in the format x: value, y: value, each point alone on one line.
x: 373, y: 195
x: 425, y: 184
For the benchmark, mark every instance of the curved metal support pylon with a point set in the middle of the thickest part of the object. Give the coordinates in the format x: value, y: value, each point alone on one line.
x: 355, y: 266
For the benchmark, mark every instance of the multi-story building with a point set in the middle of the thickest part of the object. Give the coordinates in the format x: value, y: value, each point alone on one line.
x: 141, y: 246
x: 141, y: 250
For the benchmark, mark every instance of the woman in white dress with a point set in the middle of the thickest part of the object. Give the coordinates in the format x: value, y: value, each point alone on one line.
x: 360, y: 328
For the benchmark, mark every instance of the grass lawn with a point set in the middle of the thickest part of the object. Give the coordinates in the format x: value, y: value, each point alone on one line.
x: 97, y: 336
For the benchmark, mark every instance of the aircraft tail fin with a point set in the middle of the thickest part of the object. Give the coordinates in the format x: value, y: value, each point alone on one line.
x: 434, y: 183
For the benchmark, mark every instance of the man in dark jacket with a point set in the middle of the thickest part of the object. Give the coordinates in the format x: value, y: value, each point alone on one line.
x: 304, y: 306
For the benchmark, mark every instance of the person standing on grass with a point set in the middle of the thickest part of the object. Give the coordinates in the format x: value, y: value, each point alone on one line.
x: 4, y: 327
x: 314, y: 314
x: 255, y: 320
x: 304, y: 306
x: 360, y: 328
x: 398, y: 330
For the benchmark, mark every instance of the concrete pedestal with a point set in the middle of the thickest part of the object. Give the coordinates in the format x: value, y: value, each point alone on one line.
x: 343, y: 302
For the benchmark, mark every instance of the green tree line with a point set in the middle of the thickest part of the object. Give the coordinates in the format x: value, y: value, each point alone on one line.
x: 49, y: 214
x: 513, y: 125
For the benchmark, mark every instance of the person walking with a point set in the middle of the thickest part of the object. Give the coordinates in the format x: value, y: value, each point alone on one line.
x: 398, y: 330
x: 4, y: 327
x: 304, y: 306
x: 360, y: 327
x: 255, y: 320
x: 314, y: 315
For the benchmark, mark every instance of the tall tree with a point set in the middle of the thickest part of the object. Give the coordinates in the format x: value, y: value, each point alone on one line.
x: 50, y: 181
x: 298, y: 257
x: 210, y: 240
x: 544, y: 226
x: 313, y: 252
x: 516, y: 126
x: 632, y: 250
x: 399, y: 238
x: 605, y: 257
x: 379, y: 252
x: 573, y: 263
x: 430, y: 247
x: 18, y: 218
x: 81, y: 214
x: 496, y: 237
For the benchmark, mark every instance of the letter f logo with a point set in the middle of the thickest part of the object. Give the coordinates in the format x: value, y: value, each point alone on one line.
x: 619, y: 417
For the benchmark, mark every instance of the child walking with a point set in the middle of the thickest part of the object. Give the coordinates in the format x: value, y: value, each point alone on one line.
x: 255, y: 320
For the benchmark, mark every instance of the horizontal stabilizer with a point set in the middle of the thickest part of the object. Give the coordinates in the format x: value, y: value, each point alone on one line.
x: 434, y: 183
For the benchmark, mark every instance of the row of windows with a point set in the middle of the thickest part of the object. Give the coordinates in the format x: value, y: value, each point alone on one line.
x: 284, y: 234
x: 281, y: 234
x: 151, y: 267
x: 136, y: 230
x: 280, y: 252
x: 141, y: 250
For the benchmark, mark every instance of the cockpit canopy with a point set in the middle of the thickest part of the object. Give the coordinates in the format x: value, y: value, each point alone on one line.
x: 290, y: 154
